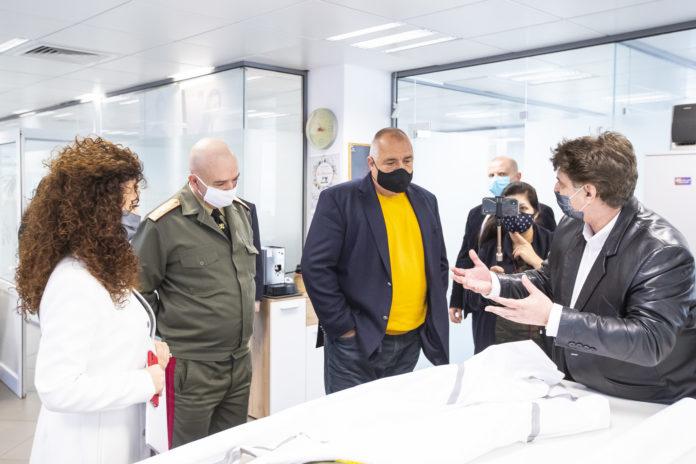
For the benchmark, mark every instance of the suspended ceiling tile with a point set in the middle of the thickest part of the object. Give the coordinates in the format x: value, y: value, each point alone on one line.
x: 571, y: 8
x: 483, y: 18
x: 155, y: 22
x: 401, y: 10
x: 317, y: 20
x: 638, y: 17
x: 27, y: 26
x: 100, y: 39
x: 66, y: 10
x: 231, y: 11
x: 242, y: 39
x: 541, y: 35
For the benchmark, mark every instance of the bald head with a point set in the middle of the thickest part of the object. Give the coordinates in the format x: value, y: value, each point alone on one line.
x: 212, y: 161
x: 390, y: 139
x: 503, y: 166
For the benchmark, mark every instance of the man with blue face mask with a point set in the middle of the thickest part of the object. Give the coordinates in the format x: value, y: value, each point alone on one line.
x: 198, y: 266
x: 502, y: 171
x: 617, y: 291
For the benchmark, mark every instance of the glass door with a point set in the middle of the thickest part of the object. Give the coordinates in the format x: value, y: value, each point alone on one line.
x: 12, y: 327
x: 22, y: 165
x: 37, y: 147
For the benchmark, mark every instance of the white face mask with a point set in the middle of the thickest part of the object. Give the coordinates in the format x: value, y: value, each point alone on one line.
x: 218, y: 198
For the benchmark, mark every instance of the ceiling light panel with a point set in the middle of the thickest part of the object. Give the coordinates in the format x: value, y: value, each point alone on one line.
x: 394, y: 39
x: 366, y: 31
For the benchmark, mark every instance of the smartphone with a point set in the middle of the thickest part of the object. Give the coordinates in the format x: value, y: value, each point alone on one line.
x: 500, y: 207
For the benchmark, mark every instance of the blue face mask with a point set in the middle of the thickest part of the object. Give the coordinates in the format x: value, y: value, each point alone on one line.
x: 130, y: 222
x: 564, y: 204
x: 498, y: 184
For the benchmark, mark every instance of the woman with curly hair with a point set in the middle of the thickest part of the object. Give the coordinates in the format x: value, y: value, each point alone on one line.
x: 77, y: 271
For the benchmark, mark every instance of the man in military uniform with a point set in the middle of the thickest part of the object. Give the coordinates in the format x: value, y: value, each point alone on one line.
x: 198, y: 263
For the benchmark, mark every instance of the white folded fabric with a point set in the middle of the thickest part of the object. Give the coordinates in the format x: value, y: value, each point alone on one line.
x: 448, y: 414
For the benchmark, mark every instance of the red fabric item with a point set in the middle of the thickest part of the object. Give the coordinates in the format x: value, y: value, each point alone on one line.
x: 169, y: 385
x: 151, y: 361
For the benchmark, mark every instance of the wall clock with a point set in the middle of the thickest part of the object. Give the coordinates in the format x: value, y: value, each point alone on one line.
x: 322, y: 127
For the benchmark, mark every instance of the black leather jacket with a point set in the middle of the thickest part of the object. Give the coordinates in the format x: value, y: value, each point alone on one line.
x: 632, y: 333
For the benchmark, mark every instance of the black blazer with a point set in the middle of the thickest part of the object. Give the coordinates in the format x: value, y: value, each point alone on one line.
x: 346, y: 267
x: 474, y: 221
x: 632, y: 333
x: 483, y: 323
x: 258, y: 279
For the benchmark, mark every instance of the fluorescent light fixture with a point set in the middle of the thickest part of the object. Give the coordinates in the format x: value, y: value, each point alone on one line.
x: 369, y: 30
x: 428, y: 80
x: 129, y: 102
x: 477, y: 114
x: 31, y: 113
x: 642, y: 97
x: 420, y: 44
x: 89, y: 97
x: 520, y: 75
x: 115, y: 99
x: 21, y: 111
x: 192, y: 73
x: 265, y: 115
x: 394, y: 38
x: 546, y: 76
x: 561, y: 77
x: 62, y: 115
x: 46, y: 113
x: 12, y: 43
x: 118, y: 132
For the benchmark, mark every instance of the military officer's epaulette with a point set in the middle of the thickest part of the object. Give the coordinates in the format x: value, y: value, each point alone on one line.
x: 242, y: 203
x: 164, y: 208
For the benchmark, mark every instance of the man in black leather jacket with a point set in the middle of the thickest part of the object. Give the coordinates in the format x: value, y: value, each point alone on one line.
x: 617, y: 289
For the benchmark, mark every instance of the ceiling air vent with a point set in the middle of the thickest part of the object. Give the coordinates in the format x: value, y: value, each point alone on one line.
x: 68, y: 55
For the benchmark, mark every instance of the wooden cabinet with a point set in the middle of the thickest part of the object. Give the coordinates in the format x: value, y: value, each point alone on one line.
x: 287, y: 368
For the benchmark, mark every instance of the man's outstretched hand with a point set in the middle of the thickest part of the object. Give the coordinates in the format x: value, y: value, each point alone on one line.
x: 477, y: 279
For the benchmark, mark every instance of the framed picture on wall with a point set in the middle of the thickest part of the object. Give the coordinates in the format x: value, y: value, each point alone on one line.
x: 357, y: 167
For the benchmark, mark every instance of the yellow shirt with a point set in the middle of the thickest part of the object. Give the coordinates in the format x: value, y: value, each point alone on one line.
x: 407, y: 260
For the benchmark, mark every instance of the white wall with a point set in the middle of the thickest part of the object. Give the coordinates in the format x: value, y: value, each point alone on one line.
x: 271, y: 159
x: 453, y: 167
x: 360, y: 98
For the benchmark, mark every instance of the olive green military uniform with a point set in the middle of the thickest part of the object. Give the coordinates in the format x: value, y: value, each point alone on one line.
x: 204, y: 305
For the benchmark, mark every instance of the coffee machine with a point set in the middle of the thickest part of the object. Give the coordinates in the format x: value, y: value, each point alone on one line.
x: 273, y: 269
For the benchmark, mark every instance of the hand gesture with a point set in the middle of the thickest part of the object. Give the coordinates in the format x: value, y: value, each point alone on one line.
x: 522, y: 249
x: 477, y: 279
x: 533, y: 310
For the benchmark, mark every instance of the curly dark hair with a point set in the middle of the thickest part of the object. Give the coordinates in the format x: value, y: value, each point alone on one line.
x: 76, y: 211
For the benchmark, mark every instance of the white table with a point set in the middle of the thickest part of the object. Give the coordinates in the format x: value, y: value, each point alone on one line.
x: 624, y: 415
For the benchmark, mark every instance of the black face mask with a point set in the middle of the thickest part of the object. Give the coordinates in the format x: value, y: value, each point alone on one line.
x: 396, y: 181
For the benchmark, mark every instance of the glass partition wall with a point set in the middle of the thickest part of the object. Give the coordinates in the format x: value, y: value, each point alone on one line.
x: 461, y: 118
x: 258, y: 112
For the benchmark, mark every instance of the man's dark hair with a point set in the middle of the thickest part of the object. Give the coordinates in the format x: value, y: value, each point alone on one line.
x: 607, y: 161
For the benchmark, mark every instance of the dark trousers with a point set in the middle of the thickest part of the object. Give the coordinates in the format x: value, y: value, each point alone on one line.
x: 346, y: 366
x: 211, y: 396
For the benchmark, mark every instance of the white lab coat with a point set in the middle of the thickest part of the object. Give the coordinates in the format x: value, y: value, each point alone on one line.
x: 90, y: 372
